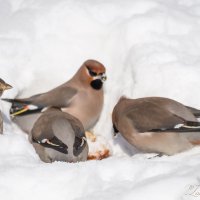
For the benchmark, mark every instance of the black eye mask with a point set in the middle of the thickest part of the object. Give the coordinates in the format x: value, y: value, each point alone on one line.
x: 92, y: 73
x: 96, y: 84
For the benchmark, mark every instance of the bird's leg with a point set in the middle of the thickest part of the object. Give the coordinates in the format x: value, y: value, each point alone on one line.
x: 90, y: 136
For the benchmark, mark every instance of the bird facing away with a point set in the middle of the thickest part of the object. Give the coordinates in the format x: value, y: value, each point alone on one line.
x: 81, y: 96
x: 156, y: 124
x: 3, y: 86
x: 58, y: 136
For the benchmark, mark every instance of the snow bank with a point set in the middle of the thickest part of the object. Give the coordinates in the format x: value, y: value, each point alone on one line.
x: 150, y: 48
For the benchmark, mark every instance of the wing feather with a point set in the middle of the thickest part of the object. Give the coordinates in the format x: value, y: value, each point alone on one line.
x: 147, y: 116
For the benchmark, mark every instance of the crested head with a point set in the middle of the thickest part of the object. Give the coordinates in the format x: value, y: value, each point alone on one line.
x: 92, y: 72
x: 95, y: 67
x: 4, y: 85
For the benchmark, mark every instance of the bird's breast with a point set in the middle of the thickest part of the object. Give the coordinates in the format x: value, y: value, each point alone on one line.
x: 86, y: 107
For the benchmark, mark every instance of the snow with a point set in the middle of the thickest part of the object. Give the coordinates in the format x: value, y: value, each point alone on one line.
x: 149, y: 47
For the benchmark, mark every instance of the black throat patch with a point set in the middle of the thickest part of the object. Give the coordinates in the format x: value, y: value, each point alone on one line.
x: 96, y: 84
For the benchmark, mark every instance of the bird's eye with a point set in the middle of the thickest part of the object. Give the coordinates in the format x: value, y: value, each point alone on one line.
x: 92, y: 73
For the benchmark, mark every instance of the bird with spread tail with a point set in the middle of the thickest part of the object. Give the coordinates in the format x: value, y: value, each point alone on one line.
x: 82, y: 96
x: 3, y: 86
x: 157, y: 125
x: 58, y: 136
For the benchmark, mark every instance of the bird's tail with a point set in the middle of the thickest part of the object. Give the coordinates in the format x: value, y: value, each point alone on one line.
x: 22, y: 107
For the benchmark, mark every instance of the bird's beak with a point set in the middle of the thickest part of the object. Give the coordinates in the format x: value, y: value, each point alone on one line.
x: 104, y: 77
x: 7, y: 86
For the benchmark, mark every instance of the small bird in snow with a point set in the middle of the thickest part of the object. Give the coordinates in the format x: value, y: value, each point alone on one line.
x: 3, y: 86
x: 81, y: 96
x: 58, y: 136
x: 157, y: 125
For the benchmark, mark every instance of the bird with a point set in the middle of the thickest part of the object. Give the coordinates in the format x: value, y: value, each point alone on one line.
x: 59, y: 136
x: 82, y: 96
x: 3, y: 86
x: 157, y: 124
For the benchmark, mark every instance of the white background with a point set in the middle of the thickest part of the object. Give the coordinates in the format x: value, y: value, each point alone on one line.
x: 149, y: 47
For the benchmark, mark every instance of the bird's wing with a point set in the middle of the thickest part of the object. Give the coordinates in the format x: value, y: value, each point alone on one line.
x: 53, y: 143
x: 58, y: 97
x: 147, y: 116
x: 195, y: 111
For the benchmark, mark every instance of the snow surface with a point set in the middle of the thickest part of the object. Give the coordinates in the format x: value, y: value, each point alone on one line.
x: 149, y: 47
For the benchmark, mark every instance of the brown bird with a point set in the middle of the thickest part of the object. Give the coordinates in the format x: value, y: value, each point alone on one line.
x: 58, y: 136
x: 156, y: 124
x: 81, y: 96
x: 3, y: 86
